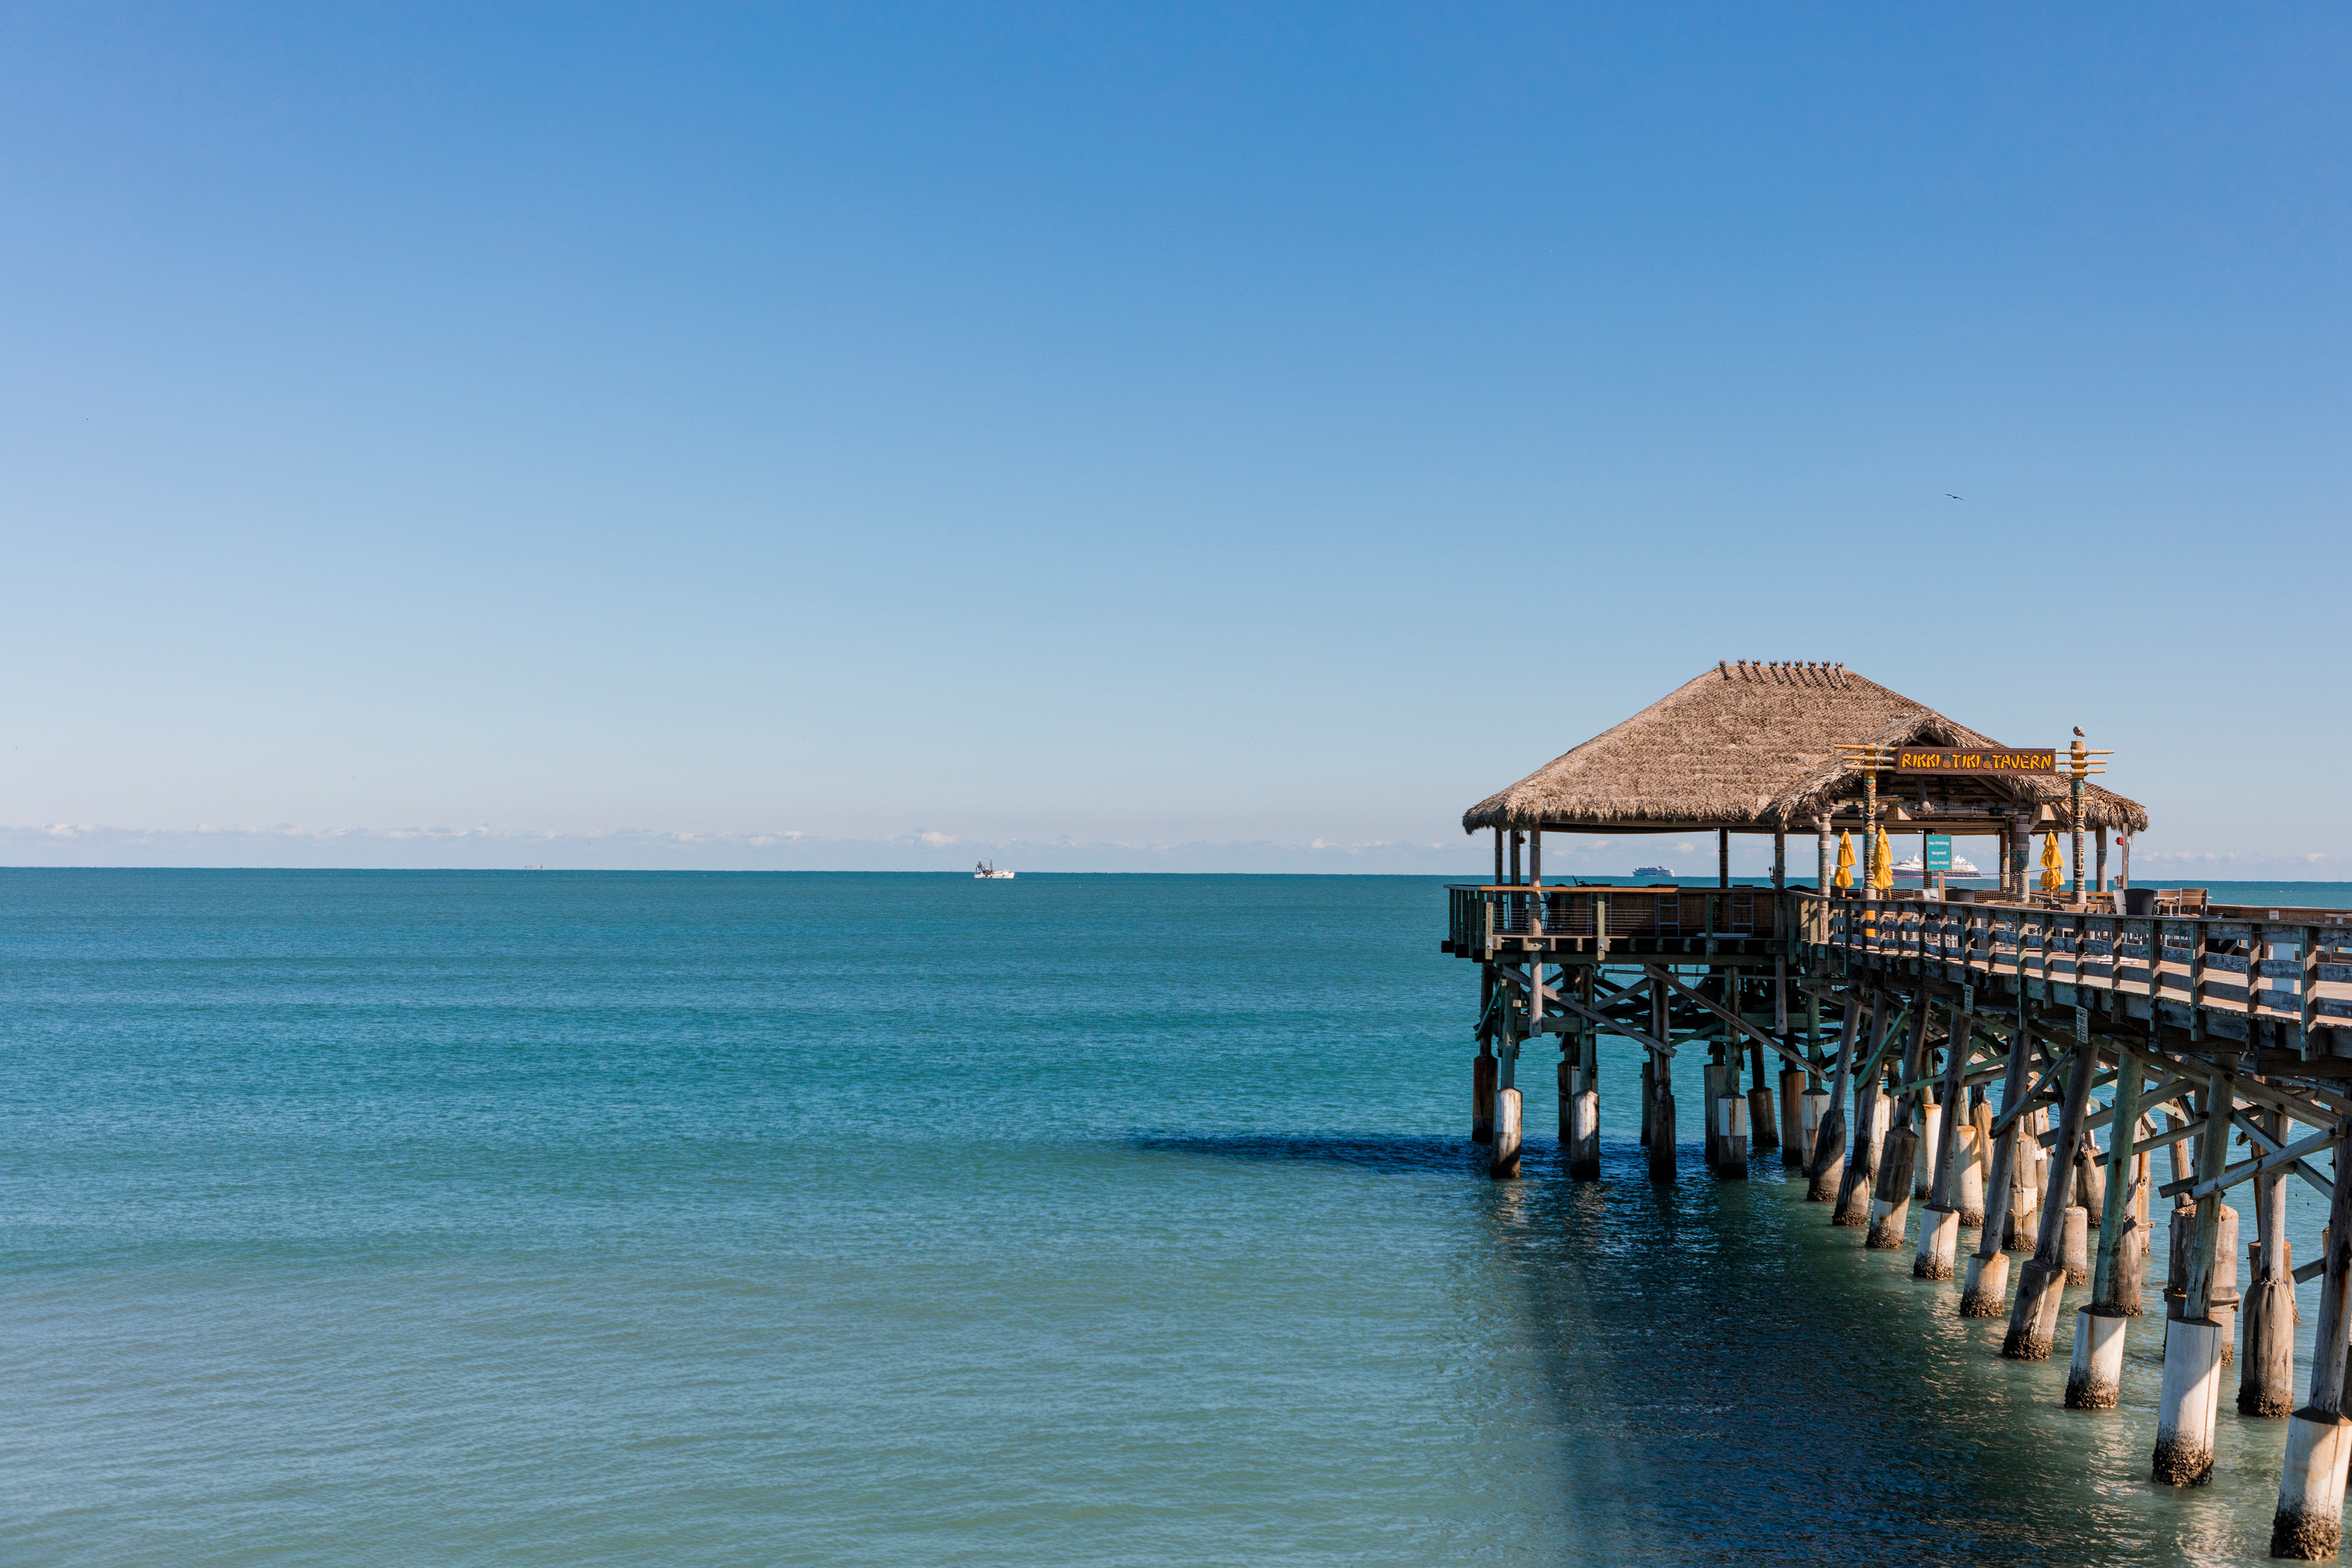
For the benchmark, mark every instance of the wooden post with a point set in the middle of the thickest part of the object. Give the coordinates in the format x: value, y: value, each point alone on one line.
x: 2096, y: 1377
x: 1517, y: 840
x: 1827, y: 871
x: 1535, y: 857
x: 1792, y: 1116
x: 1890, y: 1205
x: 1852, y: 1206
x: 1985, y: 1292
x: 2131, y: 1252
x: 2102, y: 884
x: 1482, y: 1096
x: 1662, y: 1118
x: 2192, y: 1345
x: 1939, y: 1225
x: 1869, y: 889
x: 1827, y: 1164
x: 1583, y: 1145
x: 1731, y: 1135
x: 1662, y: 1073
x: 2266, y: 1378
x: 2123, y: 842
x: 2309, y: 1524
x: 1723, y: 857
x: 1498, y: 857
x: 1504, y: 1165
x: 2034, y: 1318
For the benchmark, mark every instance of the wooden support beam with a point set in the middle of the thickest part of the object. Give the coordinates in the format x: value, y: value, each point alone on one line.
x: 2289, y: 1157
x: 1660, y: 977
x: 1577, y: 1009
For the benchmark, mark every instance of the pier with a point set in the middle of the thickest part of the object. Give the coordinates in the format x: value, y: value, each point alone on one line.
x: 1975, y: 1074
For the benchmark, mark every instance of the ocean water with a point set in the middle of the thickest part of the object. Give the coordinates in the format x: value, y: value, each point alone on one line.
x: 587, y: 1219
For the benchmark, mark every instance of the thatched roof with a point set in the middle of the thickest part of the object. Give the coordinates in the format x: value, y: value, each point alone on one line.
x: 1756, y: 746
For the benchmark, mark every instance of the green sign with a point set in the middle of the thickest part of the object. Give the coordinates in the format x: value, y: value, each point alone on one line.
x: 1938, y: 855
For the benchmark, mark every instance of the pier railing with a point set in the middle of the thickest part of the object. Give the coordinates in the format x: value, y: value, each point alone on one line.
x: 2293, y: 969
x: 1485, y: 918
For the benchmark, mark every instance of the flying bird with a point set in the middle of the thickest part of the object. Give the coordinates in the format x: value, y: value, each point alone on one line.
x: 1954, y: 498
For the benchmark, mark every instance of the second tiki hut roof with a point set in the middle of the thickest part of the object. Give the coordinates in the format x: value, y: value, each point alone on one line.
x: 1754, y: 746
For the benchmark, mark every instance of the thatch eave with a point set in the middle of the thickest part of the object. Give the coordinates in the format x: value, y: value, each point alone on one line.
x: 1754, y: 748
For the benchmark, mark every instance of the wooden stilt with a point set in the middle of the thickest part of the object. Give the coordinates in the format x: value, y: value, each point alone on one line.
x: 2225, y: 1296
x: 1984, y: 1293
x: 1792, y: 1116
x: 1482, y: 1097
x: 2266, y: 1377
x: 1827, y: 1168
x: 2074, y: 1246
x: 1890, y: 1203
x: 1662, y: 1118
x: 1505, y: 1164
x: 2095, y: 1379
x: 2192, y: 1345
x: 2033, y: 1318
x: 2309, y: 1524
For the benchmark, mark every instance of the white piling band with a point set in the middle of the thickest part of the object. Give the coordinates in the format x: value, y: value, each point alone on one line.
x: 2192, y: 1394
x: 1810, y: 1104
x: 1985, y: 1292
x: 1940, y: 1244
x: 2095, y: 1380
x: 2309, y: 1525
x: 1508, y: 1105
x: 1969, y: 1192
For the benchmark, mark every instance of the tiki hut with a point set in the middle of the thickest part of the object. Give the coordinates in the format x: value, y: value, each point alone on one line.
x: 1754, y: 748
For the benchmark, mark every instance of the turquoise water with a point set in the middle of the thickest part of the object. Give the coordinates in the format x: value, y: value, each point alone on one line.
x: 453, y: 1218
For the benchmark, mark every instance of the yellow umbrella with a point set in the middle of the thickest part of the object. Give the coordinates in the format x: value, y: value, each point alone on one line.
x: 1882, y: 867
x: 2053, y: 868
x: 1845, y: 861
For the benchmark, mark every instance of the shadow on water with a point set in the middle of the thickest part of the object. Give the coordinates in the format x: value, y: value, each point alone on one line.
x: 1734, y: 1379
x: 1361, y: 1151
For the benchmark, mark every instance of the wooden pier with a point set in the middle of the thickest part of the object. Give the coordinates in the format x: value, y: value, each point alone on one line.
x: 1933, y: 1059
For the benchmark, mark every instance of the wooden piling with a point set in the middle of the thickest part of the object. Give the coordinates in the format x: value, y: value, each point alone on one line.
x: 1827, y: 1168
x: 2073, y: 1246
x: 2225, y: 1295
x: 2266, y: 1376
x: 2095, y: 1379
x: 1793, y: 1146
x: 1482, y: 1097
x: 1968, y: 1162
x: 1861, y: 1182
x: 1731, y: 1136
x: 2033, y: 1318
x: 2192, y: 1343
x: 1890, y: 1203
x: 1985, y: 1290
x: 1504, y: 1163
x: 2308, y: 1525
x: 1662, y: 1118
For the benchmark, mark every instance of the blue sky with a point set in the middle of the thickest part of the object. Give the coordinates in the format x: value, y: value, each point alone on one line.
x: 1204, y: 437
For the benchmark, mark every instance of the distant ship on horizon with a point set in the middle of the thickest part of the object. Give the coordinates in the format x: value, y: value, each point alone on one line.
x: 1963, y: 868
x: 986, y: 871
x: 1653, y: 870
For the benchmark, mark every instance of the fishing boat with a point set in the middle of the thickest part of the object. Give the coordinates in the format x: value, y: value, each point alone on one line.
x: 986, y: 871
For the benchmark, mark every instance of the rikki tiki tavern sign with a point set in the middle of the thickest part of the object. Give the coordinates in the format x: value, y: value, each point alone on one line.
x: 1910, y: 760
